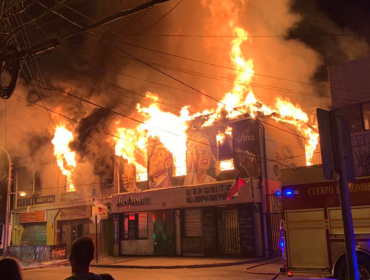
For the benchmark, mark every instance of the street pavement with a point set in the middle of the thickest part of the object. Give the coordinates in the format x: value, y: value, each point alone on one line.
x: 174, y: 268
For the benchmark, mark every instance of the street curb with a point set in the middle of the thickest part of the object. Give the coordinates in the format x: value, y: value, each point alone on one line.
x: 176, y: 266
x: 64, y: 262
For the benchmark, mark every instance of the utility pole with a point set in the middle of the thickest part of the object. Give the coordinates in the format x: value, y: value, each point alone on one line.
x: 337, y: 159
x: 7, y: 211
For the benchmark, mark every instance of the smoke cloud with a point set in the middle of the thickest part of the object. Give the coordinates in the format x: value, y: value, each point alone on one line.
x: 116, y: 72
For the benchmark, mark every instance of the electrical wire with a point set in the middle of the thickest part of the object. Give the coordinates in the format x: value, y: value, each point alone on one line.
x: 161, y: 18
x: 244, y: 71
x: 251, y: 36
x: 195, y: 140
x: 161, y: 72
x: 220, y: 78
x: 37, y: 70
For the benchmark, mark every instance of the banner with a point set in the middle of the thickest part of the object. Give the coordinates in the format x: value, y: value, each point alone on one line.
x: 31, y: 217
x: 246, y: 145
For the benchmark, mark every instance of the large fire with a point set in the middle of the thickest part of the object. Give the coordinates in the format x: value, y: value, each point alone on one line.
x: 65, y: 157
x: 170, y: 129
x: 165, y: 127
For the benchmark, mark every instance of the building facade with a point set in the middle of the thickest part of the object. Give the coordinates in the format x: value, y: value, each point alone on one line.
x: 159, y: 212
x: 46, y: 218
x: 350, y: 92
x: 190, y: 216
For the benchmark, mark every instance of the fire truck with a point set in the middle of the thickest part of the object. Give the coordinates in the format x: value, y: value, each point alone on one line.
x: 312, y: 235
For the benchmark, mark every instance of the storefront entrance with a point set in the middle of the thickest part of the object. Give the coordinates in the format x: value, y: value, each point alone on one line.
x: 228, y: 232
x: 71, y: 230
x: 164, y: 233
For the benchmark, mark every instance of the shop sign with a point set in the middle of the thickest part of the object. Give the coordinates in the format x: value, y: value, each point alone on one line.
x: 246, y: 147
x: 36, y: 200
x: 131, y: 201
x: 75, y: 213
x: 32, y: 217
x: 71, y: 196
x: 102, y: 212
x: 182, y: 197
x: 204, y: 194
x: 58, y: 252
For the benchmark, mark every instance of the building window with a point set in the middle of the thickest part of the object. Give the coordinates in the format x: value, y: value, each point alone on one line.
x: 135, y: 226
x: 366, y: 115
x: 37, y: 183
x: 193, y: 222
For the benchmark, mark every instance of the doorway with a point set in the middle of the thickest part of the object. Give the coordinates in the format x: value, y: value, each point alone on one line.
x: 71, y: 230
x: 228, y: 232
x: 164, y: 233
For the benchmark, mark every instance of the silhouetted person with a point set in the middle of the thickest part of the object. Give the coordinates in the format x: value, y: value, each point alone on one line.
x: 82, y: 253
x: 10, y: 269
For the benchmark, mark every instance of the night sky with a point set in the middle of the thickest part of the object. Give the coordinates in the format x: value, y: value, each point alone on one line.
x: 319, y: 16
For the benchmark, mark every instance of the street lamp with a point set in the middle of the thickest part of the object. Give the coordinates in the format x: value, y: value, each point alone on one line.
x: 7, y: 211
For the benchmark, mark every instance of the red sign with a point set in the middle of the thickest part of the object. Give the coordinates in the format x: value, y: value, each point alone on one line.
x: 32, y: 217
x: 325, y: 194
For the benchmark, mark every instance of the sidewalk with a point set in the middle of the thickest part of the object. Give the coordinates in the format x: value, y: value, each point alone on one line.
x: 151, y: 262
x: 25, y: 265
x: 268, y: 267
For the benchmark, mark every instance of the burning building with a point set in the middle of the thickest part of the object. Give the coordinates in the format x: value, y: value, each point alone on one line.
x: 173, y: 210
x: 165, y: 175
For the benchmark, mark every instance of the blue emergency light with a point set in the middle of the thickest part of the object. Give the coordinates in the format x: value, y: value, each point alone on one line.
x: 288, y: 192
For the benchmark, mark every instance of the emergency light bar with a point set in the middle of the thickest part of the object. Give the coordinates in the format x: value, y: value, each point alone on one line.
x: 290, y: 192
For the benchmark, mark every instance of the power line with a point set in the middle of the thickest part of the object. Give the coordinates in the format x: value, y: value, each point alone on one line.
x: 238, y: 70
x: 173, y: 79
x: 286, y: 36
x: 136, y: 121
x: 161, y: 18
x: 256, y: 85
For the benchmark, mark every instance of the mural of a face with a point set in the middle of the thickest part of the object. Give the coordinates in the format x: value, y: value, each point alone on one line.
x: 201, y: 156
x: 200, y: 160
x: 128, y: 178
x: 160, y: 161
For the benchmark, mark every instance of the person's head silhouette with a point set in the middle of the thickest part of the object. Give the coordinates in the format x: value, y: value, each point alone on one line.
x: 10, y: 269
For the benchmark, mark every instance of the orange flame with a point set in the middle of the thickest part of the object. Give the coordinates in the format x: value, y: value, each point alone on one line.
x: 170, y: 129
x: 65, y: 157
x: 220, y: 137
x: 283, y: 111
x: 227, y: 164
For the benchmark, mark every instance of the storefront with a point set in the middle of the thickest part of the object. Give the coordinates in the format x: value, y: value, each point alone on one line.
x: 32, y: 225
x: 190, y: 221
x: 73, y: 223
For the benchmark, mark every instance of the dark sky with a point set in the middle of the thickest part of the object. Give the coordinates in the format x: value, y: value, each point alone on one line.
x: 331, y: 17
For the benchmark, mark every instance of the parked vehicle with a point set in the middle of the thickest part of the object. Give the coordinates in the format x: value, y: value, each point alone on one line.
x: 312, y: 226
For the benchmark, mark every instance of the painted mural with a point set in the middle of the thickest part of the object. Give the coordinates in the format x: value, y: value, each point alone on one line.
x: 201, y: 159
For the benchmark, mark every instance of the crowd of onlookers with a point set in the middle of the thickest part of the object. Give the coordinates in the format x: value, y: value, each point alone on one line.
x: 82, y: 253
